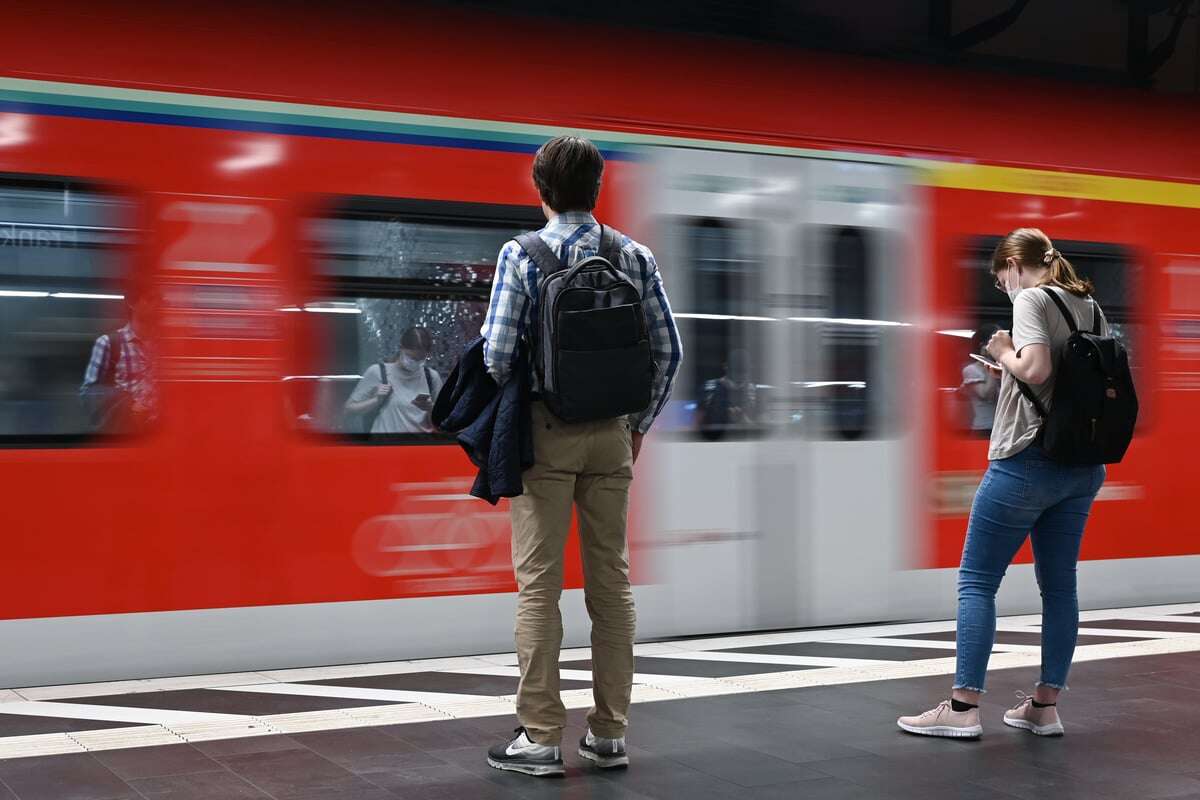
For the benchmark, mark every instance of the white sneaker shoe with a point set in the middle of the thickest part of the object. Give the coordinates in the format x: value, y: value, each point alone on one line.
x: 1039, y: 721
x: 524, y: 755
x: 943, y: 720
x: 604, y: 753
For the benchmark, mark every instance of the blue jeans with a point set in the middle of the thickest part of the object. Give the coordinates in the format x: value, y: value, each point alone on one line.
x: 1025, y: 495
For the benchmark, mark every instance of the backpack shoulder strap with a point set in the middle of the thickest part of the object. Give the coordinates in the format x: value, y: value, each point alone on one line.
x: 1031, y: 397
x: 1097, y: 323
x: 429, y: 380
x: 610, y: 246
x: 533, y: 245
x: 383, y: 373
x: 1066, y: 312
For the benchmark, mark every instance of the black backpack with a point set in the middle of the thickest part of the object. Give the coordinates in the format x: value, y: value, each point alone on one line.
x: 591, y: 349
x: 1095, y: 405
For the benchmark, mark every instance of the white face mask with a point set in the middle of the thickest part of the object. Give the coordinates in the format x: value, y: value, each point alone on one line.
x: 408, y: 363
x: 1012, y: 283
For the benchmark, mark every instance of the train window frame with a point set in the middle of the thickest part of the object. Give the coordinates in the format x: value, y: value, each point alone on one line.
x: 320, y: 285
x: 130, y: 272
x: 678, y: 229
x: 830, y: 333
x: 972, y: 261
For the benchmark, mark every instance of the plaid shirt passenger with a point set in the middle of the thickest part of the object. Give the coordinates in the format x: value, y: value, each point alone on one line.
x: 513, y: 310
x: 132, y: 373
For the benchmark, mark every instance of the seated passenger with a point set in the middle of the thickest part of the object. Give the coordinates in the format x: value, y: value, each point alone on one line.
x: 397, y: 396
x: 118, y: 389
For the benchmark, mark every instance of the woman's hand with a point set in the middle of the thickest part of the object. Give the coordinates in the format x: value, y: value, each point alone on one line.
x: 1000, y: 343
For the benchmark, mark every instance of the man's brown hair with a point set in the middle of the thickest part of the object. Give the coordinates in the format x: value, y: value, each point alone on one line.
x: 566, y: 171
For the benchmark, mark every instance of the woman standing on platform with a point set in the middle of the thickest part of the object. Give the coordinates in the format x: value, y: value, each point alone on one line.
x: 1023, y: 494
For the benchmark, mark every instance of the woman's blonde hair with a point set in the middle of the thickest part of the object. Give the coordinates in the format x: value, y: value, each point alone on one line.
x: 1032, y: 249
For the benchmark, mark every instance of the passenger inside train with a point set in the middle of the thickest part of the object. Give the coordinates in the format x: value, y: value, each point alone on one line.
x: 397, y: 396
x: 119, y: 390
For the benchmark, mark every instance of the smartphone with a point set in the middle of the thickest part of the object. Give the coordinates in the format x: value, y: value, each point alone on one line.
x: 421, y: 399
x: 987, y: 361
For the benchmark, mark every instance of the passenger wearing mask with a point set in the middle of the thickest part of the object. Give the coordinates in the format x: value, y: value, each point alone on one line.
x: 1024, y: 494
x: 397, y: 396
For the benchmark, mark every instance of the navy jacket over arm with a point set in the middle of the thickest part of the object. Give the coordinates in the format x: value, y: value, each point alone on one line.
x: 492, y: 423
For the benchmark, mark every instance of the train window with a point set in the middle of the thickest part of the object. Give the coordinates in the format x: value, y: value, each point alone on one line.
x: 63, y: 266
x: 401, y: 288
x: 840, y: 385
x: 722, y: 394
x: 970, y: 402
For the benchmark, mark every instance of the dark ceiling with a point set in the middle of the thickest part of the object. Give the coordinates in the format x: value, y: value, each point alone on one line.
x: 1153, y: 44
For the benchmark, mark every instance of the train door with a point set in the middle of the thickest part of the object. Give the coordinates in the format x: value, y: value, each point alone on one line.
x: 724, y: 535
x: 851, y: 382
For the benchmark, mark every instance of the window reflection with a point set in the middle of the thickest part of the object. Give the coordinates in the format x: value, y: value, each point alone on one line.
x: 721, y: 395
x: 63, y: 266
x: 966, y: 405
x: 403, y: 289
x: 845, y: 372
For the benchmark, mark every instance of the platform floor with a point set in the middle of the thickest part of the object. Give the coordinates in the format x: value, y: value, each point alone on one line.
x: 798, y: 714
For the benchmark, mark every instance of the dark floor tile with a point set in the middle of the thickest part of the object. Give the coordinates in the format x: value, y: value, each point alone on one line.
x: 352, y: 788
x: 223, y: 785
x: 1036, y: 784
x: 932, y: 774
x: 1141, y: 625
x: 655, y: 776
x: 445, y: 782
x: 853, y: 706
x: 585, y: 784
x: 449, y: 735
x: 743, y: 766
x: 153, y: 762
x: 286, y: 773
x: 454, y: 682
x: 693, y: 667
x: 20, y: 725
x: 836, y: 650
x: 219, y: 748
x: 1022, y: 637
x: 796, y: 741
x: 1180, y: 677
x: 366, y: 750
x: 65, y: 777
x: 820, y: 789
x: 216, y: 701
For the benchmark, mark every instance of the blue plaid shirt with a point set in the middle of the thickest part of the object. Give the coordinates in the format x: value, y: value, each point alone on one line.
x: 574, y: 236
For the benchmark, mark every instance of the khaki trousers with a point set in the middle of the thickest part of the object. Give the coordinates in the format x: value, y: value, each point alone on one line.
x: 588, y: 465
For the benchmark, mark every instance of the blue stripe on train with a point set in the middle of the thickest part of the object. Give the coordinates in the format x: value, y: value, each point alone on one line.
x: 286, y: 129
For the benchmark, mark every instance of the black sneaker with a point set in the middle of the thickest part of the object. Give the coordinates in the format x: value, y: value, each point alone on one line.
x: 604, y: 753
x: 526, y: 756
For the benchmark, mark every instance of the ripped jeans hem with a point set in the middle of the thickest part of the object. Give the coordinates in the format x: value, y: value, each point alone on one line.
x: 968, y: 688
x: 1062, y: 687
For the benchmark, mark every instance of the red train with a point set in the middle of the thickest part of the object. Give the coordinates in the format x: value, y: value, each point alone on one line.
x: 296, y: 188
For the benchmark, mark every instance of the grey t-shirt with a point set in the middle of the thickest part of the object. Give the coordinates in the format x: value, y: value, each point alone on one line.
x: 398, y: 414
x: 983, y: 409
x: 1036, y: 320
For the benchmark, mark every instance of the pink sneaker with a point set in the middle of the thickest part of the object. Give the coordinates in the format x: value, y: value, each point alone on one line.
x: 1040, y: 721
x: 943, y: 720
